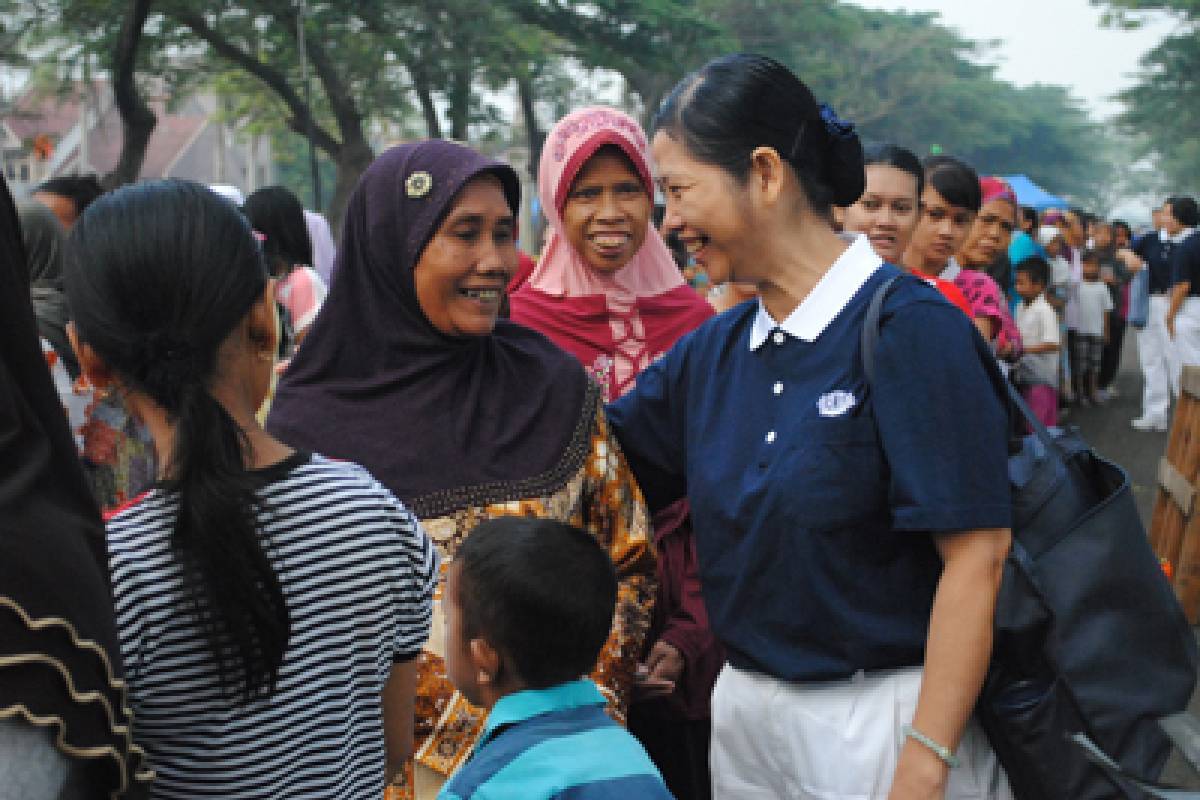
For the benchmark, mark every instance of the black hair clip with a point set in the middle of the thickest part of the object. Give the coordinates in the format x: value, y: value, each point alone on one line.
x: 837, y: 127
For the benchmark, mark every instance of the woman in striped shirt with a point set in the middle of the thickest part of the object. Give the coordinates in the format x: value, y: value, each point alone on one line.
x: 270, y: 602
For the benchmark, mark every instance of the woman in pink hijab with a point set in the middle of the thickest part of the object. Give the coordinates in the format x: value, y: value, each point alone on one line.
x: 607, y: 290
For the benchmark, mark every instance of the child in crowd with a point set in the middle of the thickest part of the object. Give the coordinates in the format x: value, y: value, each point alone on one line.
x: 1095, y: 303
x: 529, y: 604
x: 1051, y: 238
x: 1037, y: 372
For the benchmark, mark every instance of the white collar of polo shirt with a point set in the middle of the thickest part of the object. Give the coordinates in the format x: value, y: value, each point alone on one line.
x: 1179, y: 237
x: 827, y: 299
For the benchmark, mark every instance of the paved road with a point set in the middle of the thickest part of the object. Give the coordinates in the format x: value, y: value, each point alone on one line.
x: 1107, y: 429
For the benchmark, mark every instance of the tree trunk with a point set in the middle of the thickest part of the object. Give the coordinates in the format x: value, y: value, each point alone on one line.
x: 650, y: 88
x: 536, y: 136
x: 137, y: 120
x: 433, y: 123
x: 460, y: 98
x: 352, y: 160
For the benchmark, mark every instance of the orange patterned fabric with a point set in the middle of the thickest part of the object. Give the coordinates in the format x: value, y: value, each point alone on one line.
x: 603, y: 499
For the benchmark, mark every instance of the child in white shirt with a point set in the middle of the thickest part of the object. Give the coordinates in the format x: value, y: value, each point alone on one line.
x: 1036, y: 374
x: 1095, y: 303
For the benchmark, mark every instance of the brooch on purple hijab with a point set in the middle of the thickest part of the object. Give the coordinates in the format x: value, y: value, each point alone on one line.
x: 418, y: 185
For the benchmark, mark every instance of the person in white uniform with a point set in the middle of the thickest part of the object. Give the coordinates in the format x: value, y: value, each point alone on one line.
x: 1152, y: 252
x: 1183, y: 312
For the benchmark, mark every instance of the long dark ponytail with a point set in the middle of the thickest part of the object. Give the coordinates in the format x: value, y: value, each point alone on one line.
x: 158, y: 275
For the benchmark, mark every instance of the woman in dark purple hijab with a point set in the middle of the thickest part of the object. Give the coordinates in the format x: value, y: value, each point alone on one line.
x: 464, y: 416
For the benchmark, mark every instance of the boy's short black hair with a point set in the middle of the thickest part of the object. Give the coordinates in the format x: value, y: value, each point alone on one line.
x: 1120, y: 224
x: 1185, y: 210
x: 1090, y: 256
x: 82, y: 190
x: 1037, y: 269
x: 541, y: 592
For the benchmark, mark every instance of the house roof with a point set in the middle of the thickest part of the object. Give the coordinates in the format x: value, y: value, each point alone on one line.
x: 172, y: 135
x: 37, y: 113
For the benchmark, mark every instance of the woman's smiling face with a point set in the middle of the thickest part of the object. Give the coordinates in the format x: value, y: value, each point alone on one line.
x: 703, y: 208
x: 887, y: 212
x: 606, y: 213
x: 462, y: 273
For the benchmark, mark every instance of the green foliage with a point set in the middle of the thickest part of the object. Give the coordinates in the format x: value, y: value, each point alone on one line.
x: 906, y: 79
x: 383, y: 70
x: 1162, y: 110
x: 292, y: 166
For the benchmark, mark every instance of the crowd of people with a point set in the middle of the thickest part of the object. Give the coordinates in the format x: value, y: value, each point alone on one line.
x: 420, y: 519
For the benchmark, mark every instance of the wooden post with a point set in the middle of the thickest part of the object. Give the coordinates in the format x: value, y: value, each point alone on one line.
x: 1175, y: 527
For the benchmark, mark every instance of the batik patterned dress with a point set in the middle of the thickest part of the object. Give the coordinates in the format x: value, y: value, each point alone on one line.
x: 117, y: 451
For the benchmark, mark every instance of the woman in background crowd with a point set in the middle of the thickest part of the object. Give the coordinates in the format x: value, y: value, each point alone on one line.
x: 117, y: 450
x: 951, y: 199
x: 276, y: 214
x: 465, y: 416
x: 986, y: 247
x: 608, y: 291
x: 888, y: 211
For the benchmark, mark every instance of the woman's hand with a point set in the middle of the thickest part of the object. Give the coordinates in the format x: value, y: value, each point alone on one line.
x: 1130, y: 259
x: 920, y: 774
x: 661, y: 672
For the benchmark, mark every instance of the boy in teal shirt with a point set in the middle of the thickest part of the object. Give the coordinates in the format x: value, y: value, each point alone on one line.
x: 529, y: 603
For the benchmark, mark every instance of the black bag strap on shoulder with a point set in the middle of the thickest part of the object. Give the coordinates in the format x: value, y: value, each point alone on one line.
x: 1016, y: 403
x: 870, y: 328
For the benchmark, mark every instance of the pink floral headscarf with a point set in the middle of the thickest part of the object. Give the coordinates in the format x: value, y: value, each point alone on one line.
x: 561, y: 271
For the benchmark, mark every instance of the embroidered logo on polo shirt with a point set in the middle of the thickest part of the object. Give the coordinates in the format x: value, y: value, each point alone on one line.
x: 835, y: 404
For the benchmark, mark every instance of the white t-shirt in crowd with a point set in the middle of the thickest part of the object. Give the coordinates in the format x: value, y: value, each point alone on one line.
x: 1094, y: 302
x: 1038, y: 325
x: 1060, y: 274
x: 1074, y: 281
x: 358, y: 575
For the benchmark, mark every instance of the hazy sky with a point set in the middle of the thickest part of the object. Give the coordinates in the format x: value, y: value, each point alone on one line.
x: 1049, y: 41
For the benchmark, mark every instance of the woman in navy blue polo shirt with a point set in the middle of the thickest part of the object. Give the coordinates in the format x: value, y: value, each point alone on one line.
x: 851, y: 536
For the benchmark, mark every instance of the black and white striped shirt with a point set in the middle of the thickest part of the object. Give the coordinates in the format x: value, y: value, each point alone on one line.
x: 358, y: 574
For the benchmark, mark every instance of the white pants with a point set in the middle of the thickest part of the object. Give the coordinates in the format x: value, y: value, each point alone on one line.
x: 1155, y: 352
x: 1185, y: 350
x: 836, y: 740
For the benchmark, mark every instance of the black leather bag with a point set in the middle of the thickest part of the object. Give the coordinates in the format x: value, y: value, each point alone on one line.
x: 1090, y: 641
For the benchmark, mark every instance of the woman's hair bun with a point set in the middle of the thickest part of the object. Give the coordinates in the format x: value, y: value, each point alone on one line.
x: 843, y: 168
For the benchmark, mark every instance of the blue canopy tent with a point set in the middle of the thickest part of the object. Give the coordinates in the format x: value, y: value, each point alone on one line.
x: 1030, y: 194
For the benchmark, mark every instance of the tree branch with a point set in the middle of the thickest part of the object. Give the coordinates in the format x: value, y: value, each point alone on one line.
x: 273, y: 78
x: 137, y: 120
